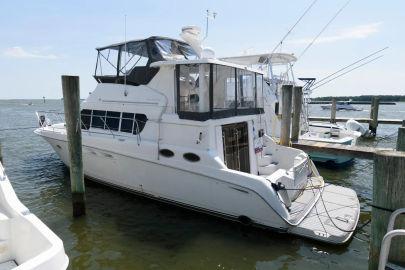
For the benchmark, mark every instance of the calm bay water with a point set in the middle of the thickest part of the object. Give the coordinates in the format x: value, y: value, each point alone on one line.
x: 123, y: 231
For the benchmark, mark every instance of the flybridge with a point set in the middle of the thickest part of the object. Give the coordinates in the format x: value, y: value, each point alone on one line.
x: 129, y: 62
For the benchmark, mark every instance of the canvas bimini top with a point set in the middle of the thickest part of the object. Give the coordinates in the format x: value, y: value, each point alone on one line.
x: 129, y: 62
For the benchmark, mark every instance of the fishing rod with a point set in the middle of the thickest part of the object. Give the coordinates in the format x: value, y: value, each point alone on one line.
x: 350, y: 70
x: 292, y: 28
x: 323, y: 29
x: 352, y: 64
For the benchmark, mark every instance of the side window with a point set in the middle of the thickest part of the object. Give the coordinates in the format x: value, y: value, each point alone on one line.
x: 134, y: 54
x: 107, y: 62
x: 246, y: 89
x: 113, y: 120
x: 86, y: 119
x: 140, y: 122
x: 98, y: 119
x: 127, y: 122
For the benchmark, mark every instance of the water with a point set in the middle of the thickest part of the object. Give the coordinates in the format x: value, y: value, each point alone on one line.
x: 123, y: 231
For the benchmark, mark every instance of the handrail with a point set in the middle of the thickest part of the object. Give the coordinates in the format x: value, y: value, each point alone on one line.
x: 106, y: 126
x: 391, y: 233
x: 45, y: 124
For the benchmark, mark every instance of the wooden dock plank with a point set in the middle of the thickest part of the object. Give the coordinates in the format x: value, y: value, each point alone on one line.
x: 360, y: 120
x: 338, y: 149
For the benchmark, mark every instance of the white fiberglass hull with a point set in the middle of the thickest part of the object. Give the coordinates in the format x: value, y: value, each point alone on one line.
x: 185, y: 187
x: 25, y: 242
x: 213, y: 191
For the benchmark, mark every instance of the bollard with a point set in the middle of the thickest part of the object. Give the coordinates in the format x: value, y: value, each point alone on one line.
x: 401, y: 137
x: 333, y: 111
x: 295, y: 129
x: 71, y: 100
x: 1, y: 155
x: 374, y: 115
x: 286, y: 91
x: 388, y: 190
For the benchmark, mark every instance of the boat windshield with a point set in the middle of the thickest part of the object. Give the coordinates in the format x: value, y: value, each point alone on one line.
x: 174, y: 50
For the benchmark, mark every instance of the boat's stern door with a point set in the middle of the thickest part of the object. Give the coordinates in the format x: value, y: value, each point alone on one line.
x: 235, y: 142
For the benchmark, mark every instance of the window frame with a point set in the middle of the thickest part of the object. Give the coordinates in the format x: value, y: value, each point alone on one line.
x: 211, y: 114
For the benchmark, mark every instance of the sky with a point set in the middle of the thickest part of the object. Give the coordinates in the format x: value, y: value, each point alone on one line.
x: 43, y: 39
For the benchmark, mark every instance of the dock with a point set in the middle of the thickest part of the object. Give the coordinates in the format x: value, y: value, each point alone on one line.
x: 360, y: 120
x: 388, y: 171
x: 362, y: 152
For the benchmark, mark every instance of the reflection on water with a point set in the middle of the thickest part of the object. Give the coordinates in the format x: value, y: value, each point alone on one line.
x: 123, y: 231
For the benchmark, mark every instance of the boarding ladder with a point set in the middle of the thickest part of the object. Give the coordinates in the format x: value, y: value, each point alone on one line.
x: 386, y: 242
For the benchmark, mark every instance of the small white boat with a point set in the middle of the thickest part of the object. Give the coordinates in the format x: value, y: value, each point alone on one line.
x: 26, y: 243
x: 341, y: 106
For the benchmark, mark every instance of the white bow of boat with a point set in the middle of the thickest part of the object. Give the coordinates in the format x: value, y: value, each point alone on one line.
x: 26, y: 243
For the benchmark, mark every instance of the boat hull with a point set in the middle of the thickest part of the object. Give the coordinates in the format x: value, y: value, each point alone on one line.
x: 216, y: 191
x: 186, y: 188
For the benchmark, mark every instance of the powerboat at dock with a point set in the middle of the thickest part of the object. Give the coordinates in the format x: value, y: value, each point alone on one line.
x: 175, y: 124
x: 341, y: 106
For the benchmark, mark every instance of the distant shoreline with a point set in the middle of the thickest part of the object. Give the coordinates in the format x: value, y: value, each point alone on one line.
x: 362, y: 98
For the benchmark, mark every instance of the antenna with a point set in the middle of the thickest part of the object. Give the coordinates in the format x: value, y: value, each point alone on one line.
x: 125, y: 54
x: 209, y: 15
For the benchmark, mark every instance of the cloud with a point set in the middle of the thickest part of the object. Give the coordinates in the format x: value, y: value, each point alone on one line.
x: 19, y: 52
x: 355, y: 32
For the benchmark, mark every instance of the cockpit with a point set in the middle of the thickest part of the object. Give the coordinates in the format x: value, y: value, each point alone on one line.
x: 129, y: 62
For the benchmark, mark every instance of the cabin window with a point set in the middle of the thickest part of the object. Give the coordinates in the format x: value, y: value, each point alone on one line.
x: 107, y: 62
x: 194, y: 87
x: 133, y: 54
x: 211, y: 91
x: 174, y: 50
x: 112, y: 120
x: 224, y: 87
x: 85, y: 119
x: 191, y: 157
x: 166, y: 153
x: 246, y: 89
x: 259, y: 90
x: 140, y: 122
x: 98, y: 119
x: 127, y: 122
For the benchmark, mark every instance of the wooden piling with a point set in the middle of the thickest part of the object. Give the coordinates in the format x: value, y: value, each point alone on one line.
x: 295, y: 129
x: 71, y: 101
x: 333, y: 111
x: 388, y: 190
x: 401, y: 137
x: 374, y: 115
x: 286, y: 114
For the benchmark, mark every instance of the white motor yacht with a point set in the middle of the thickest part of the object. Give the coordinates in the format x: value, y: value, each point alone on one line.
x: 25, y: 242
x: 169, y: 121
